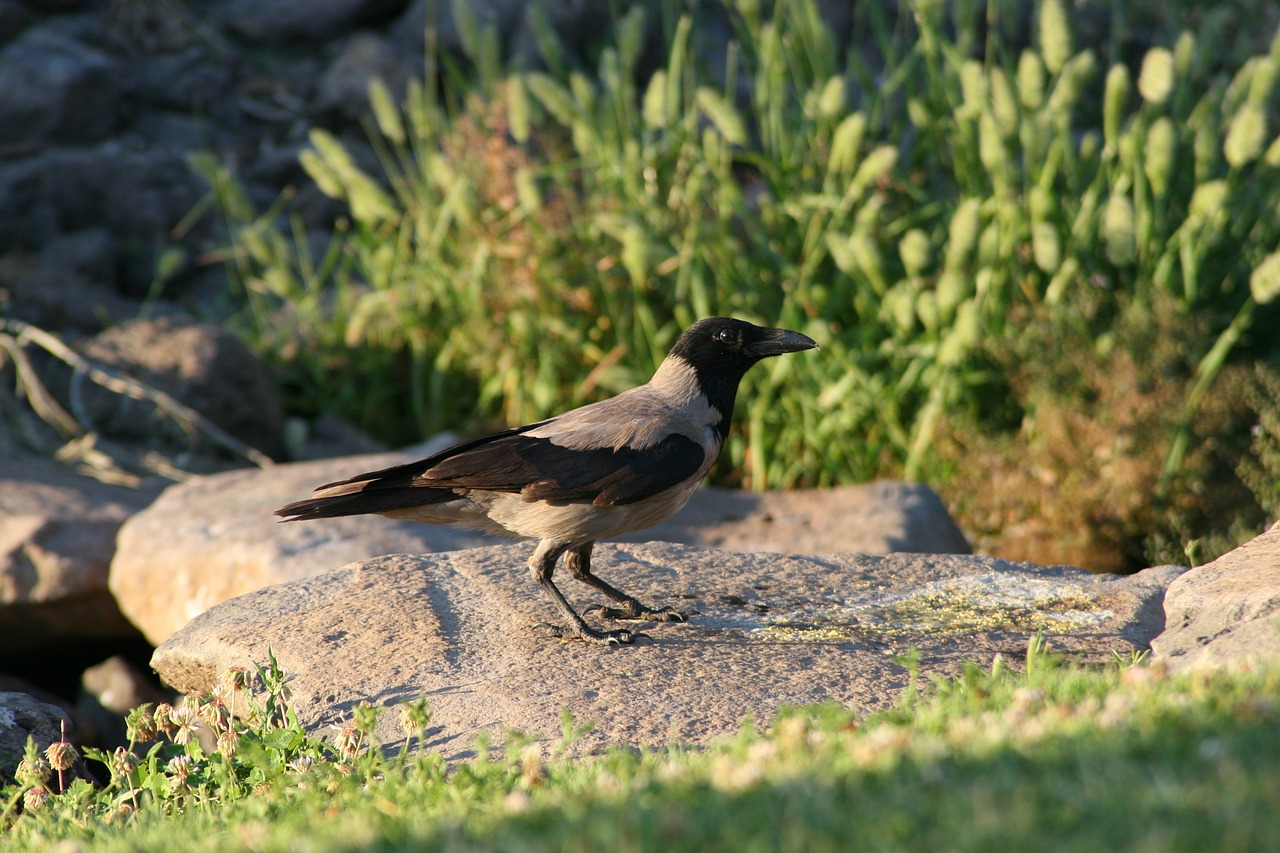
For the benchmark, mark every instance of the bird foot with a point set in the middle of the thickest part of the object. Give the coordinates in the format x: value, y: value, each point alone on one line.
x: 589, y: 635
x: 635, y: 610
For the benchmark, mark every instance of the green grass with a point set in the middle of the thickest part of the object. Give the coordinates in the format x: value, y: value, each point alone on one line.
x: 534, y: 240
x: 1054, y: 757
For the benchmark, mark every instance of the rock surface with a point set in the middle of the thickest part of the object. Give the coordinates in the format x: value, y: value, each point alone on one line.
x: 1227, y: 611
x: 211, y: 539
x: 765, y: 630
x: 57, y: 537
x: 214, y: 538
x: 198, y: 364
x: 23, y: 716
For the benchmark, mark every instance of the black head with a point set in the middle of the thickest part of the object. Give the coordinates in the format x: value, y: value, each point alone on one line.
x: 720, y: 350
x: 728, y: 347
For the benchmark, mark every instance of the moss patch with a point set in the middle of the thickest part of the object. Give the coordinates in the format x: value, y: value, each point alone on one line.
x: 949, y: 608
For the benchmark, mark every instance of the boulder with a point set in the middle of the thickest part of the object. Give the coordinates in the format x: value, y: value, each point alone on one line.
x: 198, y: 364
x: 343, y: 91
x: 1226, y: 612
x: 108, y: 692
x: 48, y: 292
x: 23, y: 716
x: 409, y: 31
x: 138, y: 196
x: 56, y: 91
x: 57, y: 536
x: 286, y: 21
x: 765, y: 630
x: 871, y: 518
x: 214, y: 538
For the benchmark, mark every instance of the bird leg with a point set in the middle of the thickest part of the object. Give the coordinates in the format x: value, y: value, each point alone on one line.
x: 578, y: 562
x: 541, y: 565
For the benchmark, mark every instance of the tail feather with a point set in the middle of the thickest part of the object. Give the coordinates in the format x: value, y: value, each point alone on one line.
x: 362, y: 503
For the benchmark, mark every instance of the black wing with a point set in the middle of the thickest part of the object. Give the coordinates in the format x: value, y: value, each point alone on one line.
x: 542, y: 470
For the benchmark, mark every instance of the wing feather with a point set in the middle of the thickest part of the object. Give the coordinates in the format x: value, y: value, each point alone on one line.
x: 538, y: 468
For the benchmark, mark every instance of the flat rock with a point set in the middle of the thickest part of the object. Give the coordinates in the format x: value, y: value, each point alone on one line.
x: 872, y: 518
x: 57, y: 537
x: 1228, y: 611
x: 765, y: 630
x: 211, y: 539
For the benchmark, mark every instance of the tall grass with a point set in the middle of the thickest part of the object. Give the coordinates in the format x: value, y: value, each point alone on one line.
x: 539, y: 240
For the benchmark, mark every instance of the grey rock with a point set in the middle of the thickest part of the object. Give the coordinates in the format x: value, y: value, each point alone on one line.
x: 1226, y: 612
x: 48, y: 291
x: 195, y: 78
x: 176, y: 131
x: 765, y: 630
x: 286, y: 21
x: 409, y: 31
x: 873, y: 518
x: 214, y: 538
x: 23, y: 716
x: 27, y: 219
x: 90, y: 253
x: 14, y: 17
x: 137, y: 195
x: 343, y: 92
x: 108, y: 691
x: 198, y: 364
x: 57, y: 537
x: 56, y: 90
x: 144, y: 194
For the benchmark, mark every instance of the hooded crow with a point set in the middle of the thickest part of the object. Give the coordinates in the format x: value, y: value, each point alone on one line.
x: 604, y: 469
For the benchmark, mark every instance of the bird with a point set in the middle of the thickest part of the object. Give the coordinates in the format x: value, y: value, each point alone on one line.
x: 604, y: 469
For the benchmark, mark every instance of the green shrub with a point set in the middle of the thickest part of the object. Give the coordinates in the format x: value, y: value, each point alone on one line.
x: 539, y: 241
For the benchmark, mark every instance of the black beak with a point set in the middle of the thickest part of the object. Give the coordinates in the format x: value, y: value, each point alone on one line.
x: 779, y: 341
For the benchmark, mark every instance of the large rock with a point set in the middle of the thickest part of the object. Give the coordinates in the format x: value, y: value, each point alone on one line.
x: 214, y: 538
x: 23, y: 716
x: 765, y: 630
x: 409, y: 32
x: 137, y: 196
x: 211, y: 539
x: 1227, y: 611
x: 873, y: 518
x: 198, y: 364
x: 343, y: 91
x: 56, y: 90
x: 287, y: 21
x: 57, y: 537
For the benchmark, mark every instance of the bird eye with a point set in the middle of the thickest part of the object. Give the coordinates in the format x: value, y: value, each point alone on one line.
x: 726, y: 335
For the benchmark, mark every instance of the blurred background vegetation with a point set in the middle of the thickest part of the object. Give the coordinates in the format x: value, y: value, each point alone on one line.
x: 1037, y: 243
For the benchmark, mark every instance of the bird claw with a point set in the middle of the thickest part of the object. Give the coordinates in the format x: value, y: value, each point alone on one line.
x: 608, y: 638
x: 637, y: 611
